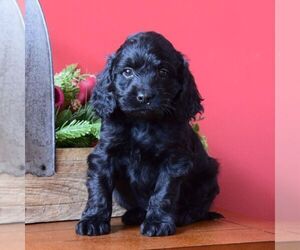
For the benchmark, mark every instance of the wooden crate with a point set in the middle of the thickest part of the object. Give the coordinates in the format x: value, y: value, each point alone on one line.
x: 61, y: 196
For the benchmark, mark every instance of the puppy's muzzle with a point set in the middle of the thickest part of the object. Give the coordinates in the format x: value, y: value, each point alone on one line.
x: 144, y: 98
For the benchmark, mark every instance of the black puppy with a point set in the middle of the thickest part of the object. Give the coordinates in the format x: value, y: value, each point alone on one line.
x: 149, y: 158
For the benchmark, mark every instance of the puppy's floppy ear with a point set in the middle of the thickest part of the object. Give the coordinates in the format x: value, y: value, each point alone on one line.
x: 189, y: 99
x: 103, y: 99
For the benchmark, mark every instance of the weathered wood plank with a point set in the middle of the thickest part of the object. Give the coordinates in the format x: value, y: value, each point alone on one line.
x: 12, y: 192
x: 12, y: 198
x: 63, y: 195
x: 72, y: 154
x: 60, y: 212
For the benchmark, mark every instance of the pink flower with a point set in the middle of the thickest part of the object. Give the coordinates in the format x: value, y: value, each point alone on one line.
x: 59, y: 97
x: 86, y: 87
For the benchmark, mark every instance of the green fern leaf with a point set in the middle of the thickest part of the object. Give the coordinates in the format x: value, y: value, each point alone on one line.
x: 75, y: 129
x: 95, y: 129
x: 66, y: 78
x: 85, y: 113
x: 62, y: 116
x: 66, y: 75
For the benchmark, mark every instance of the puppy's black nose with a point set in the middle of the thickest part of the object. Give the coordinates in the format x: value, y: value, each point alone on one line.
x: 144, y: 98
x: 140, y: 97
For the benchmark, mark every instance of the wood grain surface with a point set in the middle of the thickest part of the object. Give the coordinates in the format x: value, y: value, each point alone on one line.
x: 12, y: 237
x: 12, y: 198
x: 233, y: 232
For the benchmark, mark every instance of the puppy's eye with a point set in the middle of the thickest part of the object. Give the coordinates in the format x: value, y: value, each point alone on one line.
x: 127, y: 72
x: 164, y: 73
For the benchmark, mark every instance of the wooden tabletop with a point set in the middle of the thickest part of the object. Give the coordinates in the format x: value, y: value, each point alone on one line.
x: 233, y: 232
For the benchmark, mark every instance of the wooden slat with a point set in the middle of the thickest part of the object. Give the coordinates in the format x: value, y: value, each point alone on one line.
x: 72, y: 154
x: 222, y: 234
x: 12, y: 192
x: 60, y: 212
x: 12, y: 198
x: 63, y: 195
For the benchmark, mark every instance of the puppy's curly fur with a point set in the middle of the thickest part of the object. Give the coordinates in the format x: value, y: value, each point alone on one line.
x: 148, y: 158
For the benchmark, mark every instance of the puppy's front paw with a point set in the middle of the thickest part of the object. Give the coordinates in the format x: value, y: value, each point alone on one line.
x: 157, y: 228
x: 92, y: 226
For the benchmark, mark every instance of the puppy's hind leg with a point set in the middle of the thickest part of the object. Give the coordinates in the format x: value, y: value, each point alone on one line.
x: 198, y: 208
x: 195, y: 215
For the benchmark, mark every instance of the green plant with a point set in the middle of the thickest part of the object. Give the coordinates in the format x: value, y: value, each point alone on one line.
x: 202, y: 138
x: 67, y: 80
x: 75, y: 125
x: 77, y: 133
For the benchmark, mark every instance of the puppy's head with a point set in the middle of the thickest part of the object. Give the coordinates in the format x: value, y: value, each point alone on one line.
x: 147, y: 77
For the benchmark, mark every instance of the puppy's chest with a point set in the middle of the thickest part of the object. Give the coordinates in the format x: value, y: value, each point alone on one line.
x: 144, y: 137
x: 144, y: 154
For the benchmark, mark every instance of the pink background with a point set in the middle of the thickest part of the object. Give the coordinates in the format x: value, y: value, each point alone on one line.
x: 287, y: 122
x: 230, y: 45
